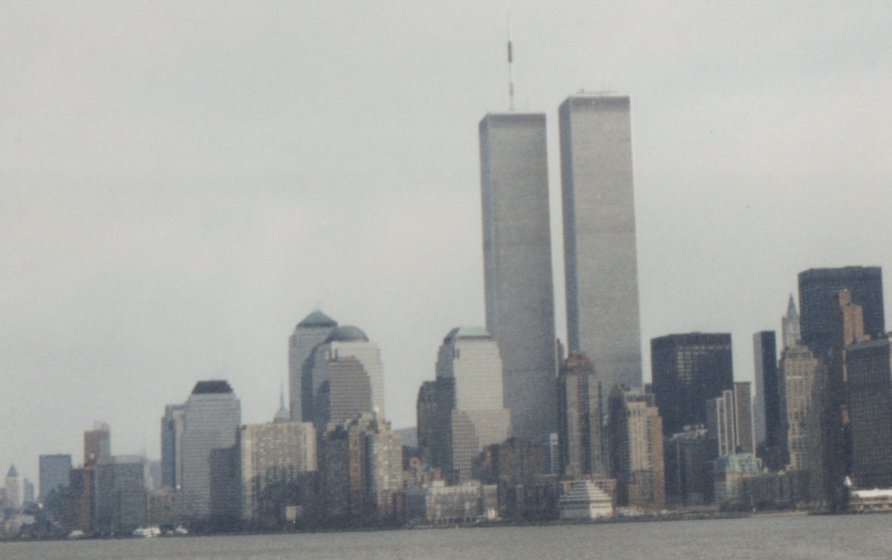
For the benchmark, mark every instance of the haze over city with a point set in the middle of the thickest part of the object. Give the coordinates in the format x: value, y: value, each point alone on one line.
x: 181, y: 183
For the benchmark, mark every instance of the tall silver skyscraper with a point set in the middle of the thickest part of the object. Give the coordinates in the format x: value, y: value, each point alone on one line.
x: 312, y: 331
x: 517, y: 267
x: 600, y: 253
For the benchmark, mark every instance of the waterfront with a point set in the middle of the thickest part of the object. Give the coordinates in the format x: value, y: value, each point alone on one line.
x: 761, y: 537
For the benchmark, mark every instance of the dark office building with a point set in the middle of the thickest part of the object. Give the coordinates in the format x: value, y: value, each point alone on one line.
x: 817, y: 292
x: 769, y: 414
x: 55, y: 472
x: 687, y: 370
x: 870, y: 412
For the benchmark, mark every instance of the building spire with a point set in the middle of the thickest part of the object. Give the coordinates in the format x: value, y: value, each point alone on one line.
x: 790, y: 327
x: 281, y: 414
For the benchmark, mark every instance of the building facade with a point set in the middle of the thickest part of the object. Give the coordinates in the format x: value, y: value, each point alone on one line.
x: 582, y: 445
x: 869, y: 376
x: 768, y: 410
x: 312, y: 331
x: 802, y: 373
x: 517, y: 266
x: 211, y: 477
x: 687, y: 370
x: 54, y: 473
x: 729, y: 421
x: 469, y: 400
x: 97, y: 444
x: 818, y: 288
x: 275, y: 458
x: 172, y: 426
x: 347, y: 377
x: 360, y: 464
x: 600, y: 253
x: 120, y: 495
x: 636, y: 449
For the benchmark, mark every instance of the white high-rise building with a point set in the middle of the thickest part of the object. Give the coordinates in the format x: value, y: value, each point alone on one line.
x: 347, y: 377
x: 600, y: 252
x: 517, y: 267
x: 469, y: 377
x: 211, y: 477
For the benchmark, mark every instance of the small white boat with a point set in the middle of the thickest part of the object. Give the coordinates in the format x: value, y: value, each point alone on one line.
x: 147, y: 532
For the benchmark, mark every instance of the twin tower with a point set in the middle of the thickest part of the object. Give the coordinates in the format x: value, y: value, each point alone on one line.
x: 600, y: 252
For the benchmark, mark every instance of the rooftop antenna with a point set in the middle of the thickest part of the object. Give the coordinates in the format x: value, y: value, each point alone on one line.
x: 510, y: 75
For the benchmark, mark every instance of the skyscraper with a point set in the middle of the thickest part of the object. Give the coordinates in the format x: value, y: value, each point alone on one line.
x: 636, y: 448
x: 13, y: 487
x: 818, y: 288
x: 600, y: 253
x: 211, y: 478
x: 360, y: 463
x: 312, y: 331
x: 97, y: 444
x: 769, y: 411
x: 120, y: 494
x: 427, y: 417
x: 729, y: 421
x: 347, y: 377
x: 582, y: 448
x: 687, y: 370
x: 274, y: 459
x: 869, y: 375
x: 517, y: 266
x: 802, y: 375
x: 469, y: 400
x: 54, y: 473
x: 172, y: 426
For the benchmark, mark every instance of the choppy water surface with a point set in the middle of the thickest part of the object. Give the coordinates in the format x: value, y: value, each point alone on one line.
x: 759, y: 538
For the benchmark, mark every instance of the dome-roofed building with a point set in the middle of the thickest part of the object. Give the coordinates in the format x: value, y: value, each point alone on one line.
x: 347, y: 377
x: 317, y: 319
x: 347, y: 333
x: 312, y: 331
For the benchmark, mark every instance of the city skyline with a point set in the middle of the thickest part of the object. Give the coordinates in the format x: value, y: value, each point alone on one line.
x: 173, y: 206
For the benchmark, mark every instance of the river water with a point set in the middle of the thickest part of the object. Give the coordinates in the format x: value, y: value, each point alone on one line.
x: 762, y: 538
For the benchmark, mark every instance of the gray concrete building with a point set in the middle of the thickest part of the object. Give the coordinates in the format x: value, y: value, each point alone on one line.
x: 211, y: 477
x: 517, y: 266
x: 581, y: 438
x: 54, y: 471
x: 600, y: 253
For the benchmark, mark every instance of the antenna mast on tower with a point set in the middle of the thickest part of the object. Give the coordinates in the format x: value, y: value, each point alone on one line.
x: 510, y: 75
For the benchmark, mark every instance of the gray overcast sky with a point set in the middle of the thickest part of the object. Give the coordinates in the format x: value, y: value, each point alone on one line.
x: 181, y: 182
